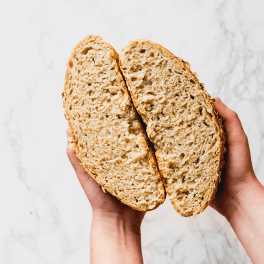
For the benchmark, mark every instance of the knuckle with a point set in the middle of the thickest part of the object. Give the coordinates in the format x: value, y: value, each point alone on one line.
x: 69, y: 152
x: 245, y: 138
x: 233, y: 114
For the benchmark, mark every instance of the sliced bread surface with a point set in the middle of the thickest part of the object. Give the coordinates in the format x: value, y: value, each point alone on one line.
x: 106, y: 133
x: 182, y: 123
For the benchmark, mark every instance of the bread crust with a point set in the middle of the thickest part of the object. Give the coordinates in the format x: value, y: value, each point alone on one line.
x: 216, y: 119
x: 142, y: 140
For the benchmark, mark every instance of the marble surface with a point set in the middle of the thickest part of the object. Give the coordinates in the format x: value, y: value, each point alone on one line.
x: 45, y: 217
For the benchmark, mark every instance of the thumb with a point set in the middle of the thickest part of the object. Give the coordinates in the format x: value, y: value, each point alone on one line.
x: 232, y: 124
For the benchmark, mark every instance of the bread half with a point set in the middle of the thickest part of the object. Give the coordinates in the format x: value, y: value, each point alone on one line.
x: 106, y: 133
x: 181, y: 121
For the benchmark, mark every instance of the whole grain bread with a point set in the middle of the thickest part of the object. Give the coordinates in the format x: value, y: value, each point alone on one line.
x: 181, y: 121
x: 107, y: 134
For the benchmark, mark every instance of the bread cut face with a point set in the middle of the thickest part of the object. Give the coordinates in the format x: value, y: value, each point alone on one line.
x: 106, y: 133
x: 181, y: 121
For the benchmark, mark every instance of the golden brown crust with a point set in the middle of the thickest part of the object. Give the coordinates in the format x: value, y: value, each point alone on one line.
x: 74, y: 146
x: 217, y: 120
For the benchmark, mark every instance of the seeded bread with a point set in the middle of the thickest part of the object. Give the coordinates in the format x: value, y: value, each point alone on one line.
x: 181, y: 121
x: 107, y: 135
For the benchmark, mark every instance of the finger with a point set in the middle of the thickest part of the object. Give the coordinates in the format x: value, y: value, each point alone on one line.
x: 72, y: 157
x: 233, y: 127
x: 68, y: 132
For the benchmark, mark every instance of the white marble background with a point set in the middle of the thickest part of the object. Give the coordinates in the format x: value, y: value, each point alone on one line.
x: 45, y: 217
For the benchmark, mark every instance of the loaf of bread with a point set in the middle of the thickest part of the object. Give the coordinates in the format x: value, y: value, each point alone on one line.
x: 107, y: 134
x: 181, y: 120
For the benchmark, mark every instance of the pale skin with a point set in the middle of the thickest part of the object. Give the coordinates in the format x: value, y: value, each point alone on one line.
x: 115, y: 231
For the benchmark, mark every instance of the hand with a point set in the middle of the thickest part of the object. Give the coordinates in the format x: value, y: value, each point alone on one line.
x: 115, y: 231
x: 103, y: 204
x: 238, y: 174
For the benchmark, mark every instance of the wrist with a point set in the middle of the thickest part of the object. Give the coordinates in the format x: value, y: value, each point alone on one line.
x: 116, y: 223
x: 114, y: 239
x: 248, y: 192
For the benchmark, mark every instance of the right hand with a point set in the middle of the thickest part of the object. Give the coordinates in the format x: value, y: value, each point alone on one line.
x: 238, y: 174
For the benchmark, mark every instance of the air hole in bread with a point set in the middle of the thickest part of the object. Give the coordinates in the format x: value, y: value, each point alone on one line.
x: 171, y: 166
x: 192, y: 81
x: 91, y: 93
x: 186, y: 193
x: 70, y: 64
x: 180, y: 198
x: 151, y: 93
x: 147, y: 82
x: 136, y: 68
x: 197, y: 161
x: 142, y: 50
x: 182, y: 155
